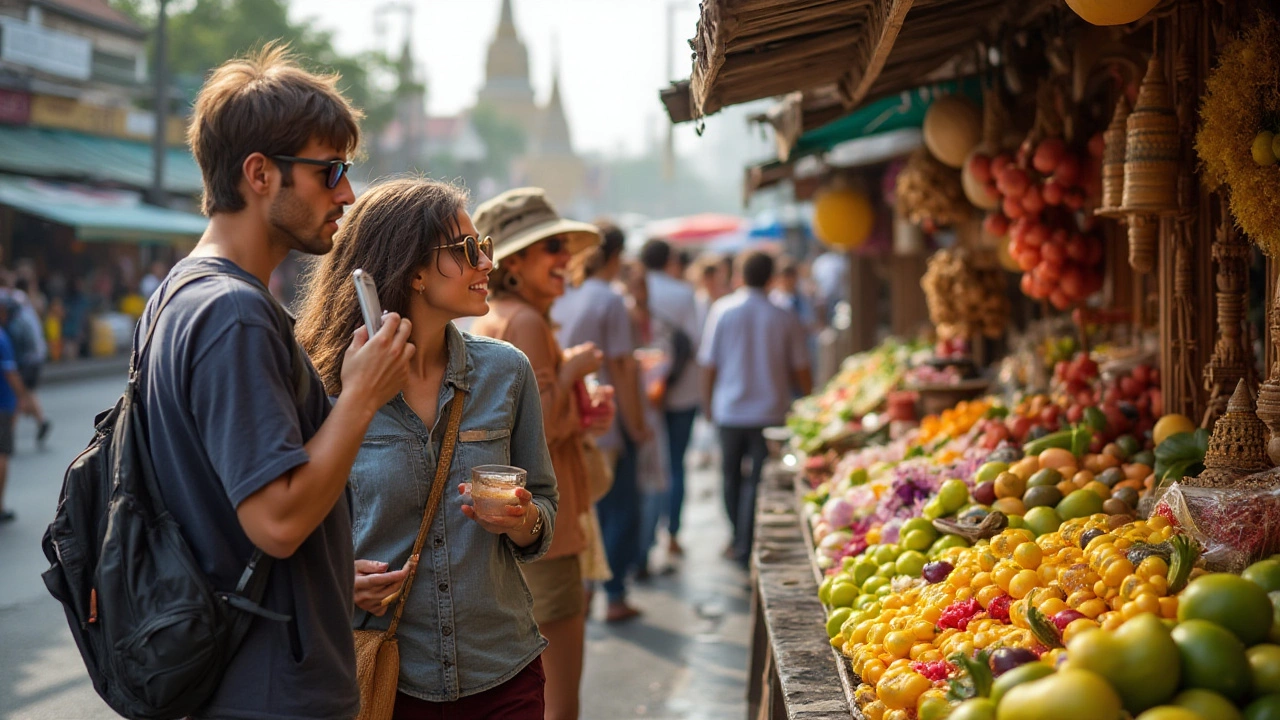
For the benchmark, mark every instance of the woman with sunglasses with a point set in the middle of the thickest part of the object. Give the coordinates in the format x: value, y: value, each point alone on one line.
x: 532, y: 249
x: 469, y: 644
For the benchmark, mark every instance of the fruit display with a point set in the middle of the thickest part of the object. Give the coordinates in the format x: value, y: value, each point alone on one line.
x: 1217, y: 658
x: 1000, y: 559
x: 965, y: 291
x: 859, y: 387
x: 1041, y: 190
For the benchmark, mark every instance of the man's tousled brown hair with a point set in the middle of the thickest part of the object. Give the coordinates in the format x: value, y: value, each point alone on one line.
x: 264, y: 102
x: 390, y: 232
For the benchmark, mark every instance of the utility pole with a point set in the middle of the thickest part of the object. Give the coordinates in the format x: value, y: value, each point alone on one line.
x: 159, y: 144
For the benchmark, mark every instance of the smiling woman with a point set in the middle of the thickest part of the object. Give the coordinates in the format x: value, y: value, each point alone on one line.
x: 416, y: 240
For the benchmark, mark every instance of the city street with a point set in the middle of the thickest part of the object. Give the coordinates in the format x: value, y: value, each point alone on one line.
x: 685, y: 658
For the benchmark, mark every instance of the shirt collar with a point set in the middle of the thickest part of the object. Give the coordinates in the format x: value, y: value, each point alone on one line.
x: 458, y: 374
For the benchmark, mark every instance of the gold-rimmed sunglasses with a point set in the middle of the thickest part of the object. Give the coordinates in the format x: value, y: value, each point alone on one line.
x: 473, y: 248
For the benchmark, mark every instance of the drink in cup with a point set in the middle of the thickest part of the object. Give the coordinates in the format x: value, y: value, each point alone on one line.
x: 493, y: 488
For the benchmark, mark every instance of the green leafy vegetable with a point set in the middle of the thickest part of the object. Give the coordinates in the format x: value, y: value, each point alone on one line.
x: 1180, y: 456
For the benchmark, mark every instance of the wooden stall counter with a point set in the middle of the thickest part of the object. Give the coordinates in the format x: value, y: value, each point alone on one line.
x: 793, y: 672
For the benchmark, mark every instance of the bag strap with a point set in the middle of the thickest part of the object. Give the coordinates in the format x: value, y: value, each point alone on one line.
x: 301, y: 376
x: 433, y: 501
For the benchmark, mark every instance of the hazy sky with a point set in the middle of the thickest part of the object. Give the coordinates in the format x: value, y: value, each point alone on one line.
x: 612, y: 55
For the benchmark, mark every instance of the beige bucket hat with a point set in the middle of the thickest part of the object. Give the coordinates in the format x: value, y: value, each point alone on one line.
x: 521, y: 217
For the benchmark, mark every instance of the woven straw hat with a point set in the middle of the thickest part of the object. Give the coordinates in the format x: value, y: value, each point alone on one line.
x: 521, y: 217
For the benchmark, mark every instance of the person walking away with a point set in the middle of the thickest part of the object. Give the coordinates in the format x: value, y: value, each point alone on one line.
x: 246, y: 464
x: 26, y: 334
x: 672, y: 304
x: 532, y: 249
x: 788, y: 294
x: 754, y: 361
x: 594, y: 313
x: 652, y: 464
x: 469, y: 646
x: 13, y: 395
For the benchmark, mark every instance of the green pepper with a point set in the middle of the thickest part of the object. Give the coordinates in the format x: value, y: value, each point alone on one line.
x: 1081, y: 438
x: 1094, y: 418
x: 1060, y: 439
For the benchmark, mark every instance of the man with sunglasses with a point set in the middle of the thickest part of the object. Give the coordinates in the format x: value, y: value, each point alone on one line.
x: 251, y: 454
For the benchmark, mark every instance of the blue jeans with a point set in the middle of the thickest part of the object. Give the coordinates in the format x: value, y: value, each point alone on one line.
x: 652, y: 505
x: 619, y: 511
x: 679, y: 430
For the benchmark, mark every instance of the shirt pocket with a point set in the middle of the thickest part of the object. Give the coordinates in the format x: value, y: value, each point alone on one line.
x: 388, y: 488
x: 483, y: 446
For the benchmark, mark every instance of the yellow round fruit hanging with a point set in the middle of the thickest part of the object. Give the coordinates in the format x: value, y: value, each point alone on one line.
x: 1111, y: 12
x: 842, y: 217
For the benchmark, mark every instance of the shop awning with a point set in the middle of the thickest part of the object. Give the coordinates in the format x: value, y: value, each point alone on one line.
x: 100, y: 215
x: 69, y: 155
x: 837, y: 53
x: 896, y: 112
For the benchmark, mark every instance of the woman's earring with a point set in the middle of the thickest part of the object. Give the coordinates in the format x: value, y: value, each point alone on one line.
x: 512, y: 282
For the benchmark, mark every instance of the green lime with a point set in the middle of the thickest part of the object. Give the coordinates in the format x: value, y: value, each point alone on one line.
x: 886, y: 553
x: 947, y: 541
x: 1017, y: 521
x: 862, y: 569
x: 836, y: 620
x: 911, y: 563
x: 933, y: 509
x: 917, y: 540
x: 953, y: 495
x: 843, y: 594
x: 917, y: 523
x: 874, y: 583
x: 824, y: 590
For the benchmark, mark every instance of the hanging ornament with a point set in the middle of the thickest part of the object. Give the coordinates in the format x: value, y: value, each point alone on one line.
x: 842, y: 217
x: 1152, y: 148
x: 1111, y: 12
x: 952, y: 128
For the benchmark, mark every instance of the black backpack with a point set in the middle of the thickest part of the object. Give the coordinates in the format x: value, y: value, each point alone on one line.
x: 155, y: 636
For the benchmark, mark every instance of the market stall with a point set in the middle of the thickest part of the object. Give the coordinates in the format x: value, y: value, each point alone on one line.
x: 1064, y: 503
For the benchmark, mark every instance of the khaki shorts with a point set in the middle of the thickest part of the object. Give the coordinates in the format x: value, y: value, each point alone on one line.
x: 557, y: 589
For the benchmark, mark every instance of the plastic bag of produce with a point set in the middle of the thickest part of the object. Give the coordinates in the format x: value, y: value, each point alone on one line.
x: 1234, y: 526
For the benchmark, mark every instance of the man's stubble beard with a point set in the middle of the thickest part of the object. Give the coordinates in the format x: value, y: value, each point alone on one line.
x: 290, y: 221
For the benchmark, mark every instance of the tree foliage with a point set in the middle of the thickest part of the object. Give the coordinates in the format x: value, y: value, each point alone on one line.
x: 203, y: 34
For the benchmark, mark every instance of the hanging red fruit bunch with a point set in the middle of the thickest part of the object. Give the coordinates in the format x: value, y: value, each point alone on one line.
x: 1043, y: 191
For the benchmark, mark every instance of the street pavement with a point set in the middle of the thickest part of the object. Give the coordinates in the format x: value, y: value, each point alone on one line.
x: 685, y: 658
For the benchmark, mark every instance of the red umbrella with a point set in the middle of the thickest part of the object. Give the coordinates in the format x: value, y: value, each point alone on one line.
x: 695, y: 228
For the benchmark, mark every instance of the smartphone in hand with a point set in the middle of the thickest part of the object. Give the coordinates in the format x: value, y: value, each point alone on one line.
x: 367, y: 294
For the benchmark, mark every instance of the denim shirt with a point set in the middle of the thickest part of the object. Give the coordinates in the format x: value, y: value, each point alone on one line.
x: 468, y: 623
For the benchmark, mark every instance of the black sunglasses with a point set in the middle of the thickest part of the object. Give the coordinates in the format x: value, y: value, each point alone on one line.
x: 337, y: 168
x: 554, y: 245
x: 473, y: 248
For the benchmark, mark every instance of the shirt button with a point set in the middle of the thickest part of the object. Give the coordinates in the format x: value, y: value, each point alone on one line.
x: 444, y: 587
x: 446, y: 631
x: 439, y: 540
x: 448, y: 663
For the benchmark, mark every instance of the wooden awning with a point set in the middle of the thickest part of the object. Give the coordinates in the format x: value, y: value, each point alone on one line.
x: 829, y: 56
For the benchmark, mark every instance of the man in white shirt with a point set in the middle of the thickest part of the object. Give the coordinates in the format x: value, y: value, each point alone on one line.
x: 672, y: 306
x: 754, y: 361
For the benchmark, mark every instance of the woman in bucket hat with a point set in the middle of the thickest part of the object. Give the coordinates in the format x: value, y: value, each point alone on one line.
x: 532, y: 249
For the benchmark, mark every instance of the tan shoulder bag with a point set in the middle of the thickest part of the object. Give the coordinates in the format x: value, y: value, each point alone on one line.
x: 377, y: 651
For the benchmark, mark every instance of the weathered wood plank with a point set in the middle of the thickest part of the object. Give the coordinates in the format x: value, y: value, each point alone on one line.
x: 787, y: 593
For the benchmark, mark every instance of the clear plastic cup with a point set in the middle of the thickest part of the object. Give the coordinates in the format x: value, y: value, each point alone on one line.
x: 493, y: 488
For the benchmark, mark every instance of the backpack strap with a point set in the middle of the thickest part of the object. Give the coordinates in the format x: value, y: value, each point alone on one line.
x: 301, y: 374
x: 253, y: 581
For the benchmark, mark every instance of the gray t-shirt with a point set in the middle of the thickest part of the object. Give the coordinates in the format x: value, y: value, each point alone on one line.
x: 223, y: 421
x: 594, y: 312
